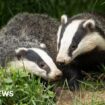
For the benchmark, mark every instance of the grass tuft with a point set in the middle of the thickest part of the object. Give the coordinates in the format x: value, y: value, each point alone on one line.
x: 26, y: 90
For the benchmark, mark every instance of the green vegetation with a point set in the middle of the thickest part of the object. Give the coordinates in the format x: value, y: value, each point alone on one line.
x: 26, y: 90
x: 29, y: 90
x: 54, y: 8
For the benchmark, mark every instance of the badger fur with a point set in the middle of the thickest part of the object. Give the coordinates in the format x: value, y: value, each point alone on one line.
x: 36, y: 61
x: 81, y: 43
x: 29, y: 31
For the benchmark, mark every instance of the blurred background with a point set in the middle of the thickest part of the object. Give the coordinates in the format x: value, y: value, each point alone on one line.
x: 54, y: 8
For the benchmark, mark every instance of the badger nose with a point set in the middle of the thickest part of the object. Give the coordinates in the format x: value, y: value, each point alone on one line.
x: 60, y: 60
x: 58, y: 76
x: 63, y: 60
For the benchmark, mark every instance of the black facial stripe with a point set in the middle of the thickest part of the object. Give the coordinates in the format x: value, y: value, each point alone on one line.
x: 33, y: 56
x: 79, y: 35
x: 102, y: 33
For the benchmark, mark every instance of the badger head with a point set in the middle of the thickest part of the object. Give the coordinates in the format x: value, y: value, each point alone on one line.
x: 38, y: 62
x: 77, y: 36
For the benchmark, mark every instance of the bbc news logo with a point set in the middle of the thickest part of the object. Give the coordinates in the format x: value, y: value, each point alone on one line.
x: 4, y: 93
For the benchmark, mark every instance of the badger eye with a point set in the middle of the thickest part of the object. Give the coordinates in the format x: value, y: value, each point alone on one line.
x: 41, y: 64
x: 18, y: 56
x: 73, y: 47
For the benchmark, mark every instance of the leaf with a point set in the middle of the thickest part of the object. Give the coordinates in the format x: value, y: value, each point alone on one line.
x: 8, y: 80
x: 51, y: 94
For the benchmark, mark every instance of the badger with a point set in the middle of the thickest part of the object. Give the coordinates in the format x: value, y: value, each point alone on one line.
x: 81, y: 44
x: 36, y: 61
x: 22, y: 41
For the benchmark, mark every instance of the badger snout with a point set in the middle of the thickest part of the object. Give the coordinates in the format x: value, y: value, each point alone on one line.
x: 58, y: 75
x: 55, y: 75
x: 63, y: 59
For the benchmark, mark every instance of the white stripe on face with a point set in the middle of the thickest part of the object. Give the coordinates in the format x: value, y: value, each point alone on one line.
x: 58, y: 35
x: 30, y: 66
x: 47, y: 59
x: 88, y: 43
x: 54, y: 71
x: 66, y: 40
x: 33, y: 67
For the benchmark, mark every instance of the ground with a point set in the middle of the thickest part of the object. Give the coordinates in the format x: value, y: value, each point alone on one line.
x: 66, y: 97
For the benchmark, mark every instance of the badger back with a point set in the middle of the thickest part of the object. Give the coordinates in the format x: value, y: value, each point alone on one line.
x: 27, y: 30
x: 80, y: 34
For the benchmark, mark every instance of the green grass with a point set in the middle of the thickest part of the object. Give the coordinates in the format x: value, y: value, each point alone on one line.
x: 27, y: 90
x: 54, y: 8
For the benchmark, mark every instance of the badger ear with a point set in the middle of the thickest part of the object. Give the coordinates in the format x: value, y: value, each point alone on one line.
x: 89, y: 24
x: 20, y: 52
x: 43, y: 46
x: 64, y: 19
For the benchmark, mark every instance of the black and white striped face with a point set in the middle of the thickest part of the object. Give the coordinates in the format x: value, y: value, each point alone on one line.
x: 38, y: 62
x: 75, y: 37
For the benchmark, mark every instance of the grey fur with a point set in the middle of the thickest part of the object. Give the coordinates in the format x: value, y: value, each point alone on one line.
x: 27, y: 30
x: 97, y: 17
